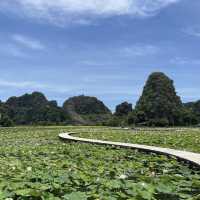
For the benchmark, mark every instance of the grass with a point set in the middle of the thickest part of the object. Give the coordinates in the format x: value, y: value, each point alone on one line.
x: 35, y: 164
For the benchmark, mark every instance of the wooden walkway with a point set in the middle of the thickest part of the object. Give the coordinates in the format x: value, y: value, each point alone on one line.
x: 193, y: 158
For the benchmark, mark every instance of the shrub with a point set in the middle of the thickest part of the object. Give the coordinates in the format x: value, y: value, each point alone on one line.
x: 5, y: 121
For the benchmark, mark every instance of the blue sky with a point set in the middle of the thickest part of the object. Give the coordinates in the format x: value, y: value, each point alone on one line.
x: 102, y: 48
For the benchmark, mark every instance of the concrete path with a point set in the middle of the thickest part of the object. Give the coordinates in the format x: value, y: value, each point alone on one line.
x: 189, y: 157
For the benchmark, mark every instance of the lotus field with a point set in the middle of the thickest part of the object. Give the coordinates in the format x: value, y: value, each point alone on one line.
x: 36, y: 165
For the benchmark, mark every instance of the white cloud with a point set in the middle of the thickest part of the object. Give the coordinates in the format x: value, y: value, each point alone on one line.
x: 28, y: 42
x: 139, y: 50
x: 93, y: 89
x: 18, y: 45
x: 62, y: 11
x: 185, y: 61
x: 36, y: 86
x: 30, y: 85
x: 13, y: 50
x: 22, y: 85
x: 192, y: 31
x: 106, y: 78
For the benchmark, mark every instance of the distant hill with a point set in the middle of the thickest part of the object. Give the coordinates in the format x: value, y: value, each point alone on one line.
x: 159, y: 104
x: 194, y: 108
x: 34, y: 109
x: 123, y: 109
x: 86, y: 110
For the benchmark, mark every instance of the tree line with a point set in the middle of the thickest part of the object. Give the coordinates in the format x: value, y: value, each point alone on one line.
x: 159, y: 105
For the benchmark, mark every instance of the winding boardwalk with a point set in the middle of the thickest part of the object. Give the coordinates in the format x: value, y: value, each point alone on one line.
x: 193, y: 158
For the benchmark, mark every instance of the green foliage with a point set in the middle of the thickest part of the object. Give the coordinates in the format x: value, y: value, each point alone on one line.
x: 175, y: 138
x: 115, y: 121
x: 123, y: 109
x: 5, y: 121
x: 34, y: 109
x: 159, y: 105
x: 131, y: 119
x: 192, y: 112
x: 189, y: 117
x: 85, y: 105
x: 159, y: 122
x: 122, y: 117
x: 86, y: 110
x: 36, y: 165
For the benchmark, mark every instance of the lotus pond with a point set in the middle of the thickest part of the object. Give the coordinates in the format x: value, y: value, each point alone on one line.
x: 181, y: 138
x: 36, y: 165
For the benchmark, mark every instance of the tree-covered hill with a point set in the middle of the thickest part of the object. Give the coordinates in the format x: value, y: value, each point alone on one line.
x: 123, y: 109
x: 193, y: 109
x: 159, y: 104
x: 86, y: 110
x: 34, y: 109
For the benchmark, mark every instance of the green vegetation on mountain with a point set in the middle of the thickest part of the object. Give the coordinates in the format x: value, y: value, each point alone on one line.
x: 86, y: 110
x: 123, y: 109
x: 159, y: 104
x: 34, y: 109
x: 121, y: 115
x: 5, y: 120
x: 193, y: 109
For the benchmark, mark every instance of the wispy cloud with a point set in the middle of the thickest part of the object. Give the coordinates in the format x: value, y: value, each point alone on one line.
x: 185, y: 61
x: 28, y: 42
x: 75, y: 89
x: 19, y: 46
x: 139, y: 50
x: 36, y: 86
x: 192, y: 31
x: 94, y: 78
x: 22, y: 84
x: 62, y: 11
x: 13, y: 50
